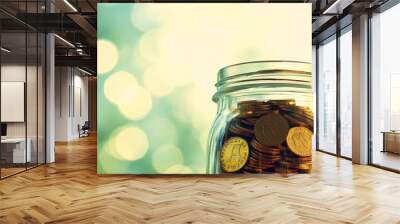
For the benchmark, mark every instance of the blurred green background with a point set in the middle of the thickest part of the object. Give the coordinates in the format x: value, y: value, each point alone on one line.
x: 157, y: 66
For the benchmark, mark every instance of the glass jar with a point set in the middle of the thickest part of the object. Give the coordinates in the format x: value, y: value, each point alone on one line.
x: 264, y: 120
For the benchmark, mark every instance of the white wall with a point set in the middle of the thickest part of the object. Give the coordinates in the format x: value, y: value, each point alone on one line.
x: 13, y: 101
x: 16, y: 73
x: 62, y: 81
x: 71, y: 102
x: 33, y: 127
x: 79, y: 110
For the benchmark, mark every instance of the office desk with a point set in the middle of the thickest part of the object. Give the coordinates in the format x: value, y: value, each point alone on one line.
x: 391, y: 141
x: 15, y: 148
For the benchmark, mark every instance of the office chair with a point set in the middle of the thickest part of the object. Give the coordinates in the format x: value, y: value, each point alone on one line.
x: 84, y: 130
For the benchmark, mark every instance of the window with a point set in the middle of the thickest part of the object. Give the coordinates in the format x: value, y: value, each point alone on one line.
x: 346, y: 93
x: 385, y: 89
x: 327, y: 96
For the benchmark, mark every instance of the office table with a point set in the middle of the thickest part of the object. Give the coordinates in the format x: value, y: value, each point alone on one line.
x: 391, y: 141
x: 16, y: 148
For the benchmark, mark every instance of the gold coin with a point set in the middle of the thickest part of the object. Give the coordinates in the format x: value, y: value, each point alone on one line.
x: 234, y: 154
x: 299, y: 141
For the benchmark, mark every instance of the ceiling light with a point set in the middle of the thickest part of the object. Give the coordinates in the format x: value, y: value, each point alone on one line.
x: 338, y: 6
x: 5, y: 50
x: 70, y: 5
x: 64, y: 40
x: 79, y: 51
x: 84, y: 71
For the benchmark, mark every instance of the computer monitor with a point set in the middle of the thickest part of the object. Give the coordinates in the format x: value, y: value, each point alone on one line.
x: 3, y: 129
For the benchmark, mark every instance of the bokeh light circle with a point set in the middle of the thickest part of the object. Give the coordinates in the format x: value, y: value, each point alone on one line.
x: 138, y: 106
x: 129, y: 143
x: 178, y: 169
x: 149, y: 46
x: 166, y: 156
x: 109, y: 161
x: 120, y: 87
x: 157, y: 82
x: 167, y: 130
x: 144, y: 17
x: 107, y: 56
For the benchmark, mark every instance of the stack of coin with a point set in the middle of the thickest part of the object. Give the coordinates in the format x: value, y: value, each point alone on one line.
x: 262, y: 158
x: 278, y: 137
x: 295, y: 163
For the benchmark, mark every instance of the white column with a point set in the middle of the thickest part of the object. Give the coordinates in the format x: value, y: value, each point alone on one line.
x: 360, y: 90
x: 50, y: 92
x: 50, y: 99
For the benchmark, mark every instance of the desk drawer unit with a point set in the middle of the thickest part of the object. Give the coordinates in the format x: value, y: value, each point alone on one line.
x: 391, y: 141
x: 13, y: 151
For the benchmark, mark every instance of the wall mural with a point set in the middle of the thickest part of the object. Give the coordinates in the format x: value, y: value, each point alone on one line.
x: 157, y: 70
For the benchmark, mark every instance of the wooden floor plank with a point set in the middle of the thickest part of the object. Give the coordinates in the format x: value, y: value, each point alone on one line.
x: 70, y: 191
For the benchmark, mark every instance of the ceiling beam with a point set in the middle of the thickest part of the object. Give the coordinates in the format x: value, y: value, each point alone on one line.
x: 84, y: 24
x: 81, y: 61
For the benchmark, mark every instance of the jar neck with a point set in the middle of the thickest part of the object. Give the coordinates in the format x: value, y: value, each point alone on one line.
x: 229, y: 102
x: 264, y: 77
x: 263, y: 81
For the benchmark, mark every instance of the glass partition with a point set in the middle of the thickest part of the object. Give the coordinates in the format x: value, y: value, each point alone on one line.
x: 33, y: 57
x: 13, y: 105
x: 31, y: 99
x: 23, y: 91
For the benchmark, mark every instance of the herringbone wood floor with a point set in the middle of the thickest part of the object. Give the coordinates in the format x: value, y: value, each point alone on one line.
x: 70, y: 191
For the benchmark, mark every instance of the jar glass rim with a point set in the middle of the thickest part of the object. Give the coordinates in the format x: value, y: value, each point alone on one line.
x: 232, y: 71
x: 285, y: 76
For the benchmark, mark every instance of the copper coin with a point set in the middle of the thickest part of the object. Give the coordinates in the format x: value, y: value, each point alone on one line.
x: 306, y: 113
x: 249, y: 121
x: 241, y: 130
x: 297, y: 160
x: 293, y: 122
x: 264, y: 149
x: 256, y: 155
x: 271, y: 129
x: 282, y: 102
